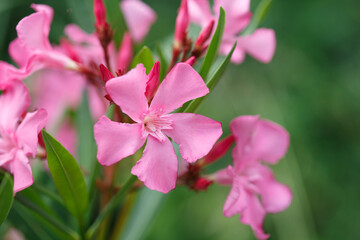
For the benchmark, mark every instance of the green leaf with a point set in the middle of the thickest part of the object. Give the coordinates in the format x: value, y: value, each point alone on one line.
x: 34, y: 215
x: 116, y: 20
x: 114, y: 202
x: 86, y: 140
x: 259, y: 15
x: 213, y: 46
x: 81, y: 11
x: 194, y: 104
x: 145, y: 57
x: 67, y: 176
x: 6, y: 196
x: 144, y: 211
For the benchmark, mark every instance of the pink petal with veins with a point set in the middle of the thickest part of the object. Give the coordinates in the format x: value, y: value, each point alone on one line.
x: 158, y: 166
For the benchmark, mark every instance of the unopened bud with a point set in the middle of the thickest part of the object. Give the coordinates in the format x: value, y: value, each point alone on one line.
x: 204, y: 34
x: 191, y: 61
x: 153, y: 82
x: 100, y: 13
x: 182, y: 23
x: 201, y: 184
x: 106, y: 75
x: 219, y: 150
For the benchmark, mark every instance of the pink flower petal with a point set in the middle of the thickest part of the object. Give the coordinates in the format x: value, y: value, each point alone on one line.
x: 224, y: 176
x: 28, y: 130
x: 236, y: 200
x: 128, y: 92
x: 238, y: 15
x: 18, y: 53
x: 116, y: 141
x: 200, y: 12
x: 243, y: 129
x: 67, y: 136
x: 260, y: 44
x: 254, y: 215
x: 275, y: 196
x: 8, y: 73
x: 56, y: 91
x: 158, y: 166
x: 139, y: 18
x: 13, y: 103
x: 84, y: 47
x: 33, y: 30
x: 22, y: 172
x: 125, y: 53
x: 271, y: 141
x: 182, y: 84
x: 195, y: 134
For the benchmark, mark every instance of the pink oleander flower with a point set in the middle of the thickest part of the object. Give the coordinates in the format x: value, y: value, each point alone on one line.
x: 58, y: 91
x: 257, y: 141
x: 86, y: 49
x: 260, y: 44
x: 18, y: 141
x: 31, y: 50
x: 139, y: 17
x: 194, y: 133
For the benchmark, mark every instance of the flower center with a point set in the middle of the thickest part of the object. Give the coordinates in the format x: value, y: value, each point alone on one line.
x: 154, y: 123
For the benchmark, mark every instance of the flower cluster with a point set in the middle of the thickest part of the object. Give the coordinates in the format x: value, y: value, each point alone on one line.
x: 149, y: 115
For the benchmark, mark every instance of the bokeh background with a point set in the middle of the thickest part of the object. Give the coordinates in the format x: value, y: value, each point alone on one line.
x: 312, y: 88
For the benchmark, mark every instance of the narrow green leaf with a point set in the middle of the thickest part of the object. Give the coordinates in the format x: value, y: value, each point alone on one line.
x: 6, y: 196
x: 259, y: 15
x: 116, y: 19
x: 194, y: 104
x: 213, y: 46
x: 145, y: 57
x: 143, y: 213
x: 114, y: 202
x: 27, y: 222
x: 81, y: 11
x: 50, y: 220
x: 86, y: 140
x: 67, y: 176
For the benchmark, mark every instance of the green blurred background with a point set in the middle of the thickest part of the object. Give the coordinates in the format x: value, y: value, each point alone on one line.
x: 311, y: 88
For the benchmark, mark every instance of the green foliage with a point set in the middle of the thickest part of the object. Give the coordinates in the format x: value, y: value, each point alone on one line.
x: 6, y: 196
x: 212, y: 82
x: 116, y: 20
x: 114, y: 202
x: 145, y: 57
x: 67, y: 176
x: 145, y: 209
x: 81, y: 12
x: 213, y: 46
x: 259, y: 15
x: 86, y: 141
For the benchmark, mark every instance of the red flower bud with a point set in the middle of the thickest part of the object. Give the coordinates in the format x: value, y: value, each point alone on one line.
x: 153, y: 82
x: 201, y: 184
x: 182, y: 23
x: 106, y: 75
x: 191, y: 61
x: 219, y: 150
x: 100, y: 13
x: 204, y: 34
